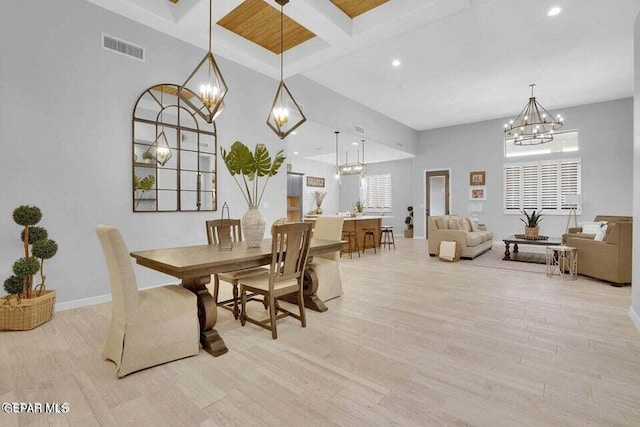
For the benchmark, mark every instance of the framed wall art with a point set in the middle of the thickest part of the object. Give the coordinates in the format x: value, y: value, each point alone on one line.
x: 477, y: 178
x: 478, y: 193
x: 315, y: 181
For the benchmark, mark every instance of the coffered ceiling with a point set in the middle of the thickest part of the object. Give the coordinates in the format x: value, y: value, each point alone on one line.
x: 461, y: 60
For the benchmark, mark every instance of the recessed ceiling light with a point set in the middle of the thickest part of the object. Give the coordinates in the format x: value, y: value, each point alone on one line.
x: 554, y: 11
x: 396, y: 63
x: 295, y: 153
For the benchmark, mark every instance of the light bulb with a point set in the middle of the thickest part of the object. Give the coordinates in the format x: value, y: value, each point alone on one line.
x: 162, y: 152
x: 281, y: 116
x: 209, y: 95
x: 336, y: 176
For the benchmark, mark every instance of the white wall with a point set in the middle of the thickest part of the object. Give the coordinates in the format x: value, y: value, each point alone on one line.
x: 606, y: 148
x: 65, y: 135
x: 635, y: 291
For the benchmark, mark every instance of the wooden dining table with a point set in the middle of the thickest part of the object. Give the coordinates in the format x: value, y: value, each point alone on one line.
x: 194, y: 265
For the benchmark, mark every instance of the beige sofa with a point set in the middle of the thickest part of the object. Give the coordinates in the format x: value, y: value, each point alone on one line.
x: 609, y: 259
x: 459, y: 230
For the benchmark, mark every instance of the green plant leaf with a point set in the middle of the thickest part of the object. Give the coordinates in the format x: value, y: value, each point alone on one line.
x: 277, y: 162
x: 262, y: 160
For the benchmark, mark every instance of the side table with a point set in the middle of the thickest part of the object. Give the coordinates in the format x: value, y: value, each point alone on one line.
x: 562, y: 260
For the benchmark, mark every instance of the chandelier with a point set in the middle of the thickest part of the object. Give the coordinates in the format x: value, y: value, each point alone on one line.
x: 208, y: 78
x: 534, y: 125
x: 356, y: 168
x: 285, y: 115
x: 160, y: 150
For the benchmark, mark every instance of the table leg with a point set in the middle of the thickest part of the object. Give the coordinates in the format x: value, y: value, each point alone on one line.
x: 507, y: 254
x: 309, y: 288
x: 515, y: 248
x: 210, y: 340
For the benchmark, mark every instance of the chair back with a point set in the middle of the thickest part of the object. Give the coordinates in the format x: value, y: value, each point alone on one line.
x: 329, y: 228
x: 289, y: 252
x: 217, y: 228
x: 124, y: 288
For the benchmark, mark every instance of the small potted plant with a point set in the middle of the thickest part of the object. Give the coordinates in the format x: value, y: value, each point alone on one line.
x: 147, y: 157
x: 33, y: 305
x: 319, y: 196
x: 408, y: 233
x: 358, y: 208
x: 531, y: 224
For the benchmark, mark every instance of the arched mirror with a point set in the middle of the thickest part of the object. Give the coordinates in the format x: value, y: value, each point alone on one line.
x: 174, y: 155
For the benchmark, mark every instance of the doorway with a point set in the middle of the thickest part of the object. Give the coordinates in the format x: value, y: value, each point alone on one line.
x: 436, y: 195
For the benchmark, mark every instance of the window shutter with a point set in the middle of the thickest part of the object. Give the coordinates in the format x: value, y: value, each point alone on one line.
x: 512, y: 183
x: 530, y: 186
x: 549, y: 188
x: 375, y: 192
x: 570, y: 179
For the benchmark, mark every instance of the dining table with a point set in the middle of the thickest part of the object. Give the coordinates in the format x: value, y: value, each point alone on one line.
x: 194, y: 265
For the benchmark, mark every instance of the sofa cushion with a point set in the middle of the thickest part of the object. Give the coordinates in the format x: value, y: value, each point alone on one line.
x: 602, y: 232
x: 466, y: 224
x: 474, y: 238
x: 442, y: 222
x: 455, y: 223
x: 487, y: 235
x: 474, y: 225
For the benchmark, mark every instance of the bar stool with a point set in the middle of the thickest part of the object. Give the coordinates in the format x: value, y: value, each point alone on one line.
x: 369, y: 233
x: 386, y: 236
x: 352, y: 244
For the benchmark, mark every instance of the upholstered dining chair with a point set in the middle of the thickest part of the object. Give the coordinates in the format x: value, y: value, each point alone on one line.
x: 147, y: 327
x: 289, y: 252
x: 217, y: 231
x: 327, y: 266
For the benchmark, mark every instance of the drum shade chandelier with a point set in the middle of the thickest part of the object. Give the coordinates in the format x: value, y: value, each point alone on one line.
x: 534, y: 125
x: 208, y: 78
x: 285, y: 115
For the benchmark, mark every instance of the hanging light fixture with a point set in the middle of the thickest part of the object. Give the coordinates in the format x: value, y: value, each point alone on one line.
x: 337, y: 175
x: 534, y: 125
x: 160, y: 150
x: 211, y: 84
x: 285, y: 115
x: 356, y: 168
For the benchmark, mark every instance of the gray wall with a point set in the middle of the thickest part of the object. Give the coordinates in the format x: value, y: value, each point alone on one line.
x: 606, y: 148
x: 401, y: 190
x: 635, y: 291
x: 65, y: 135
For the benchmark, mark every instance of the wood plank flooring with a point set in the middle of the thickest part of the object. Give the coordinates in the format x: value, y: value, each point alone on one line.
x: 414, y: 341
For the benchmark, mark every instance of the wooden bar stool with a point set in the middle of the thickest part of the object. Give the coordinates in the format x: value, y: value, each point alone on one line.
x: 352, y: 243
x: 386, y: 237
x: 369, y: 234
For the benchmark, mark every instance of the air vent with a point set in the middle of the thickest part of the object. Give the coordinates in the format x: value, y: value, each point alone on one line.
x: 359, y: 129
x: 122, y: 47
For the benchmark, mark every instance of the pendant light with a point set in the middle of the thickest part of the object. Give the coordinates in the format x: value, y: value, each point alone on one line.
x: 357, y: 168
x: 160, y: 150
x: 534, y: 125
x: 285, y: 115
x: 211, y: 84
x: 337, y: 175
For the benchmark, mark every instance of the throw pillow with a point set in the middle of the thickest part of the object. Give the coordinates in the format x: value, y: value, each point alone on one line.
x: 466, y: 224
x: 474, y: 225
x: 455, y: 224
x: 601, y: 233
x: 592, y: 227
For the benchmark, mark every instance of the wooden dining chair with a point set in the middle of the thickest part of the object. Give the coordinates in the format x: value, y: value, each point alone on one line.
x: 149, y: 327
x: 219, y: 230
x: 289, y: 252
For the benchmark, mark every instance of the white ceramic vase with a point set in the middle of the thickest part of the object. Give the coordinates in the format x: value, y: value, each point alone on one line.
x: 253, y: 227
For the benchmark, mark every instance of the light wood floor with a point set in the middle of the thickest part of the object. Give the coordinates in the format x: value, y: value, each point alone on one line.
x: 414, y: 341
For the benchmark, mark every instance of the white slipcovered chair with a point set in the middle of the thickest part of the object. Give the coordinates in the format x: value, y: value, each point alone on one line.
x: 148, y: 327
x: 327, y: 266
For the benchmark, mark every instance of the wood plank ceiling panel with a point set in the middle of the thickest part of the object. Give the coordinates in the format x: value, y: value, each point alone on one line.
x: 353, y: 8
x: 259, y: 23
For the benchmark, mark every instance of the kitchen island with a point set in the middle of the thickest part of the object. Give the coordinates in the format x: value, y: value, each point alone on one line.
x: 358, y: 224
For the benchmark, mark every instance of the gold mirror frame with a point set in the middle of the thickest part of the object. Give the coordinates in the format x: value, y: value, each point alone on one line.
x: 187, y: 179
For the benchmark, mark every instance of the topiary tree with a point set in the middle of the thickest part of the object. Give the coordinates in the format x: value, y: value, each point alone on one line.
x: 21, y: 283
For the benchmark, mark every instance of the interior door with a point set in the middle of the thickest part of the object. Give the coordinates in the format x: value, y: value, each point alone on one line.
x: 437, y: 195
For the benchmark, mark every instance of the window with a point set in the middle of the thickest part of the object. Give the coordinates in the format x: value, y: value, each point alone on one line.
x: 563, y: 142
x: 542, y: 185
x: 375, y: 192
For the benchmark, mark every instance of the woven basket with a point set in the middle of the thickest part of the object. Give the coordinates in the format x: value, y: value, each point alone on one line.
x: 29, y: 314
x: 531, y: 233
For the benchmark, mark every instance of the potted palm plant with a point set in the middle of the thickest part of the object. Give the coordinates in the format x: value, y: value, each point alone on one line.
x: 240, y: 161
x: 531, y: 224
x: 32, y: 305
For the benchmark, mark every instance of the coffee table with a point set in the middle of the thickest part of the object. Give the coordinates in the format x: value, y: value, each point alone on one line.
x: 538, y: 258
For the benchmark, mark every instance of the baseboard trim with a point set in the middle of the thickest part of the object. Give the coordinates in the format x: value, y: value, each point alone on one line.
x: 634, y: 317
x: 419, y: 237
x: 85, y: 302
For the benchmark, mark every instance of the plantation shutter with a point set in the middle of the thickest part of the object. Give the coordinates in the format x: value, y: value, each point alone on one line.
x: 541, y: 185
x: 375, y: 192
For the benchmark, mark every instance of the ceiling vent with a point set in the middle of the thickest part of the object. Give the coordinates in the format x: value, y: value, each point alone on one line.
x: 359, y: 129
x: 122, y: 47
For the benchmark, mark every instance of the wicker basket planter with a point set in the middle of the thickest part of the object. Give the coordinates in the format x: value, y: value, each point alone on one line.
x: 531, y: 233
x: 29, y: 314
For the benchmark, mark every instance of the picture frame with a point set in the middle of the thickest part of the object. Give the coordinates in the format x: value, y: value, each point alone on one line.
x: 315, y: 181
x: 477, y: 178
x: 478, y: 193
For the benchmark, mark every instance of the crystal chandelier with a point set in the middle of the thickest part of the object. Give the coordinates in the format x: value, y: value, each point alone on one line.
x: 208, y: 78
x: 285, y: 115
x: 534, y: 125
